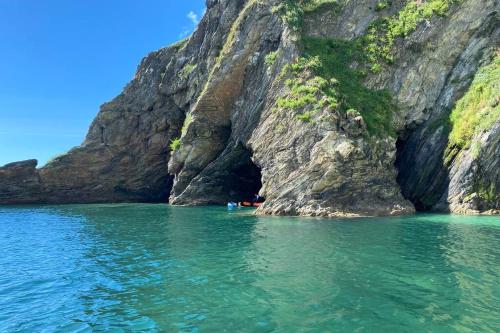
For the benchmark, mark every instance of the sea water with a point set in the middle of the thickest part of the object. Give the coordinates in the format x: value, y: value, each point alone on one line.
x: 155, y: 268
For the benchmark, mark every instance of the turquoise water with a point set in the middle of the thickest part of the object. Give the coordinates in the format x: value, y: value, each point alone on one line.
x: 153, y: 268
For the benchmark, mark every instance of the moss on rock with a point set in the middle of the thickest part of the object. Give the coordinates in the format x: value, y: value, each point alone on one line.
x: 478, y: 109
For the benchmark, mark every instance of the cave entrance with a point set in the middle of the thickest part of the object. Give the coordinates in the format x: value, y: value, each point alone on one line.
x: 244, y: 176
x: 420, y: 177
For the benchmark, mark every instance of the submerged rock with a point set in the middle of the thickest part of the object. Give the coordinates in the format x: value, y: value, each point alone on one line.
x: 291, y: 99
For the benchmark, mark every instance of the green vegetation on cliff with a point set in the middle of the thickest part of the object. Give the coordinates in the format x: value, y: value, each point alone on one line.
x: 312, y: 5
x: 175, y: 144
x: 271, y: 58
x: 487, y: 192
x: 323, y: 77
x: 307, y: 91
x: 339, y: 67
x: 382, y: 5
x: 292, y: 11
x: 187, y: 122
x: 378, y: 42
x: 336, y: 59
x: 382, y: 34
x: 186, y: 70
x: 478, y: 109
x: 336, y: 84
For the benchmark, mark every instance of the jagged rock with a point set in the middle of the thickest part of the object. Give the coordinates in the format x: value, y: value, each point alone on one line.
x: 469, y: 174
x: 467, y: 42
x: 207, y: 108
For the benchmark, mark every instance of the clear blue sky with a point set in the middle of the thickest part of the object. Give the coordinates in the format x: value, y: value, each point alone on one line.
x: 61, y: 59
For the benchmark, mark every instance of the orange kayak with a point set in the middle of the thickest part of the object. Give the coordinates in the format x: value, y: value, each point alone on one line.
x: 250, y: 204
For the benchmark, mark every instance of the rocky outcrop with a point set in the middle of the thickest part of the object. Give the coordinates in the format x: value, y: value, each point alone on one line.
x: 20, y: 183
x: 468, y: 42
x: 474, y: 178
x: 307, y: 168
x: 288, y: 98
x: 124, y: 155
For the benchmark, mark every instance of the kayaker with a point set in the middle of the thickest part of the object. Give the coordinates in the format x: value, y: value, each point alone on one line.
x: 258, y: 199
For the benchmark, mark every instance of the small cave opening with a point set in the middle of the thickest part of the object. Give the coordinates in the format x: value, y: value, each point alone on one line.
x: 244, y: 179
x: 403, y: 164
x: 412, y: 182
x: 403, y: 161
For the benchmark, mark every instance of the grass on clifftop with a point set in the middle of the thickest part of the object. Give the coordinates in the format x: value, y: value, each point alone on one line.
x: 478, y: 109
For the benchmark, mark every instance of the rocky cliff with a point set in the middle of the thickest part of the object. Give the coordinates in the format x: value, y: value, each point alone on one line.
x: 327, y: 108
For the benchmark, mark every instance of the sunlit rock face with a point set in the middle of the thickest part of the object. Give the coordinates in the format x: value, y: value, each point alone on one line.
x: 295, y: 108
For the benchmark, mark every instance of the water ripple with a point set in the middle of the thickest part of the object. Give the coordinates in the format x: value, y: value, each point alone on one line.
x: 153, y: 268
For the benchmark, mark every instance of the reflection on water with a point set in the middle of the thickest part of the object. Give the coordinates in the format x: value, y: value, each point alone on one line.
x: 159, y: 268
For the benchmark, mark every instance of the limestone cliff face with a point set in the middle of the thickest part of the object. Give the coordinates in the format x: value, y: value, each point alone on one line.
x: 291, y: 99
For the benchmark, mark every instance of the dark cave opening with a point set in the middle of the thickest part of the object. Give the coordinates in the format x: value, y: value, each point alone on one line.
x: 403, y: 163
x: 413, y: 188
x: 244, y: 176
x: 399, y: 163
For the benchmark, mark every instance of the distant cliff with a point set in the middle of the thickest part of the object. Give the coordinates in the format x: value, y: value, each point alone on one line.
x: 328, y: 108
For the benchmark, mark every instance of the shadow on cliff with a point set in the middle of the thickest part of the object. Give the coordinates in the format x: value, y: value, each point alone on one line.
x: 423, y: 173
